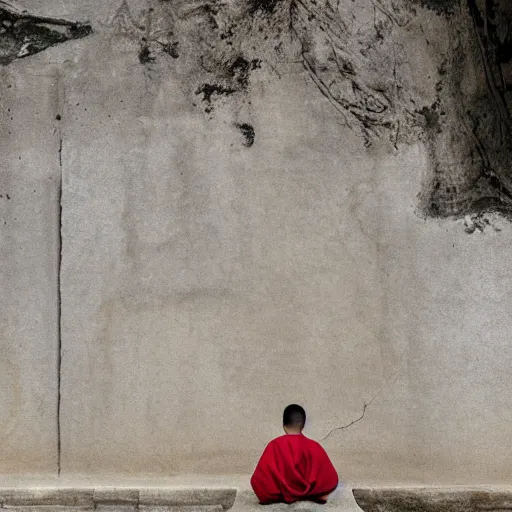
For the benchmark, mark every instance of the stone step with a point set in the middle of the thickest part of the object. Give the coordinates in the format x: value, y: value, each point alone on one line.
x: 242, y: 499
x: 157, y: 499
x: 434, y: 499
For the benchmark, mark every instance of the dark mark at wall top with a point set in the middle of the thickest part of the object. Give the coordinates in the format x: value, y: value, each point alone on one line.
x: 265, y: 6
x: 23, y: 34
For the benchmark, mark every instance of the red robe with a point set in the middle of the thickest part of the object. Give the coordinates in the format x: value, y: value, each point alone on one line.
x: 293, y: 468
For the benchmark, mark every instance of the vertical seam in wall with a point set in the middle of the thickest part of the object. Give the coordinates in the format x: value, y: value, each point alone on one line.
x: 59, y: 308
x: 58, y: 117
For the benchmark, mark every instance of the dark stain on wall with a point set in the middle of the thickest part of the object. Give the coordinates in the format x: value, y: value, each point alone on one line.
x: 22, y: 34
x: 445, y: 7
x: 264, y: 6
x: 239, y: 71
x: 363, y: 75
x: 218, y: 47
x: 471, y: 147
x: 172, y: 49
x: 145, y: 55
x: 248, y: 133
x: 211, y: 92
x: 431, y: 116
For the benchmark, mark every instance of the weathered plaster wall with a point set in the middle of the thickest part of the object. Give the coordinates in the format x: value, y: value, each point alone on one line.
x: 29, y: 246
x: 247, y: 220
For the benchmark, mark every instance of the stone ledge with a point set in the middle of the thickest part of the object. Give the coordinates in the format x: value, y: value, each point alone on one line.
x: 71, y: 497
x: 433, y: 499
x: 45, y: 508
x: 157, y: 499
x: 340, y: 500
x: 242, y: 499
x: 118, y: 498
x: 115, y: 496
x: 187, y: 497
x: 181, y: 508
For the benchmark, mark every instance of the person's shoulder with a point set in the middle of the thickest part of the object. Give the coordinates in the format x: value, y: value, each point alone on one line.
x: 274, y: 441
x: 314, y: 444
x: 277, y: 439
x: 309, y: 440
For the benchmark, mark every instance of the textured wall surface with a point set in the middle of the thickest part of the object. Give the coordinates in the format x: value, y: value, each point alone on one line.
x: 29, y: 245
x: 209, y: 210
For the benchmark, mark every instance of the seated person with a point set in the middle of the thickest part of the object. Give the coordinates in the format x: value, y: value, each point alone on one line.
x: 293, y: 467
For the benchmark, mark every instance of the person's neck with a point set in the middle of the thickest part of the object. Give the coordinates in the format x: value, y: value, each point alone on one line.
x: 292, y: 431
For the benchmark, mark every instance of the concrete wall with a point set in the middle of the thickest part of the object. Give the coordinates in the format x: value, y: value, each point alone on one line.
x: 29, y: 247
x: 208, y: 280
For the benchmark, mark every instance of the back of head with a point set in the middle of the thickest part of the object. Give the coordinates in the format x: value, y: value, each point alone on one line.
x: 294, y: 417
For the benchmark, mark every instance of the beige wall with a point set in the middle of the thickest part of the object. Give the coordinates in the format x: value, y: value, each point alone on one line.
x: 29, y: 245
x: 206, y: 284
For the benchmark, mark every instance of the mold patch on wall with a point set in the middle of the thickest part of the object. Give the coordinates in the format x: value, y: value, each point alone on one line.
x: 248, y: 133
x: 218, y: 47
x: 23, y: 34
x: 469, y: 126
x: 266, y: 6
x: 439, y: 6
x: 394, y: 71
x: 368, y: 60
x: 213, y: 47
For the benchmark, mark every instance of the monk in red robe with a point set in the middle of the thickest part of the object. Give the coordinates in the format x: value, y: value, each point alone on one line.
x: 293, y: 467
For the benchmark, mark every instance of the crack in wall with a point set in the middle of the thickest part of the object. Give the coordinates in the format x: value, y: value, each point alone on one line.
x: 344, y: 427
x: 391, y: 380
x: 59, y: 312
x: 60, y: 106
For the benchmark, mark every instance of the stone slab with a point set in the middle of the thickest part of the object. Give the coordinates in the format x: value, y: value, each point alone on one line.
x: 175, y: 499
x: 47, y: 508
x: 187, y: 497
x: 56, y: 497
x: 116, y: 507
x: 341, y: 499
x: 116, y: 495
x: 182, y: 508
x: 432, y: 499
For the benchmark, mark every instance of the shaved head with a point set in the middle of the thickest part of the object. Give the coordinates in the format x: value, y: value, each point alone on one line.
x: 294, y: 416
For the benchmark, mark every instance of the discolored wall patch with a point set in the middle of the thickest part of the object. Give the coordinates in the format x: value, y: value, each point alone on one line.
x: 248, y: 133
x: 361, y: 57
x: 470, y: 141
x: 357, y: 55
